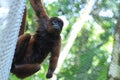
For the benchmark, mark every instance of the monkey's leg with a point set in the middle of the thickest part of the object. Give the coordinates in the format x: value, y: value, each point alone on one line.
x: 25, y: 70
x: 19, y: 69
x: 21, y: 47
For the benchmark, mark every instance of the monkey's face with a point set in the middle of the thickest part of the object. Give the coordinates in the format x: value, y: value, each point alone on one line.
x: 55, y: 25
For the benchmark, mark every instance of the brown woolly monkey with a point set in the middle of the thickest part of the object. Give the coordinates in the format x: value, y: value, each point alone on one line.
x: 31, y: 50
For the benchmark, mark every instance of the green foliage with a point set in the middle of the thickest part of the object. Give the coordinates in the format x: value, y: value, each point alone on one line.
x: 86, y: 61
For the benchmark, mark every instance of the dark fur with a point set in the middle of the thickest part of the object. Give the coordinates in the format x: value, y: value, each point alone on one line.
x: 32, y: 50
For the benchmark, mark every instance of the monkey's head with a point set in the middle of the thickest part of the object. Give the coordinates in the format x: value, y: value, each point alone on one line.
x: 55, y: 25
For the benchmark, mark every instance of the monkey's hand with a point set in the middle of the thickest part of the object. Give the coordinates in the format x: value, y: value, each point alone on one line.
x: 49, y: 74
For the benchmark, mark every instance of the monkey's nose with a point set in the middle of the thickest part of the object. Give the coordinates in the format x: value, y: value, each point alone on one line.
x: 56, y: 28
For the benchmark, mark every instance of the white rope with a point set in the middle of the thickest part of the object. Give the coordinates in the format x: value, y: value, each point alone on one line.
x: 10, y: 19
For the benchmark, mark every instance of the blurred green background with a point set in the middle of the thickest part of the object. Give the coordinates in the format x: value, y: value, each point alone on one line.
x: 90, y: 54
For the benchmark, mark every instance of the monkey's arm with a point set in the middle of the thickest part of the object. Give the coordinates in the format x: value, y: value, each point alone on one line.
x: 54, y: 59
x: 25, y: 70
x: 38, y: 8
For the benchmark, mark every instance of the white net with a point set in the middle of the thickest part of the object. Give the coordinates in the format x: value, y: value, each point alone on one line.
x: 11, y: 12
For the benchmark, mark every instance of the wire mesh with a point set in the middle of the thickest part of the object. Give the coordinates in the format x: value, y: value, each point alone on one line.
x: 10, y: 19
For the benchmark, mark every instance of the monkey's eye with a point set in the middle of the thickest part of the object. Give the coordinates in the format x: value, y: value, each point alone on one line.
x: 57, y: 22
x: 54, y: 22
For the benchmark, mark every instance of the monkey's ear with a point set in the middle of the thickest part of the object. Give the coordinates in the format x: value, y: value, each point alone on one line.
x: 38, y: 8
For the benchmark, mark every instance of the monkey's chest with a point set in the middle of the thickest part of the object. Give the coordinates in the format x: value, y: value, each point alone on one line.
x: 45, y: 47
x: 41, y: 51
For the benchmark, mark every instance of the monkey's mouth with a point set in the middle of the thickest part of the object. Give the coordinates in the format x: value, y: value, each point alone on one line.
x: 56, y: 28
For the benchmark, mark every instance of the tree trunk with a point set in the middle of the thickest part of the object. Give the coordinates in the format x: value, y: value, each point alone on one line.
x: 114, y: 68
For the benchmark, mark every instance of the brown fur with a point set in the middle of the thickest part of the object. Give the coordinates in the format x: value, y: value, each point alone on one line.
x: 32, y: 50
